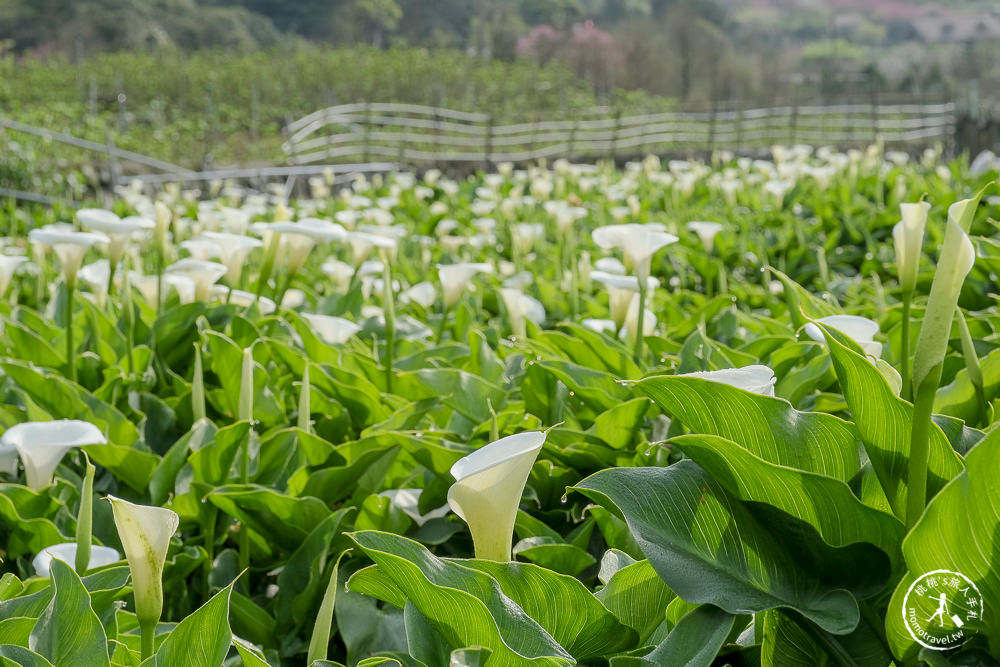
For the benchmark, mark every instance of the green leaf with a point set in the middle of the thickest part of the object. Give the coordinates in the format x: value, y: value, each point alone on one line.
x: 18, y: 656
x: 957, y: 532
x: 768, y: 427
x: 201, y: 639
x: 320, y: 639
x: 637, y: 596
x: 300, y: 580
x: 884, y: 421
x: 467, y: 608
x: 285, y: 521
x: 69, y: 632
x: 710, y: 548
x: 554, y: 555
x: 590, y: 631
x: 827, y: 504
x: 696, y: 639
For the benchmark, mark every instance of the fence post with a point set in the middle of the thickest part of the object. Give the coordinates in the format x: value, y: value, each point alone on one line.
x: 794, y: 124
x: 711, y: 128
x: 572, y: 140
x: 122, y: 98
x: 739, y: 129
x: 614, y: 135
x: 112, y: 163
x: 875, y: 112
x: 437, y: 135
x: 367, y: 133
x: 488, y: 148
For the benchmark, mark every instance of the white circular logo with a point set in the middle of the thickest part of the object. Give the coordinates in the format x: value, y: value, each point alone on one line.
x: 939, y: 608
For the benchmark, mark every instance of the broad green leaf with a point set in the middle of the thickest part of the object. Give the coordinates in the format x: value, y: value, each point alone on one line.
x: 69, y: 632
x: 696, y: 639
x: 17, y: 656
x: 884, y: 421
x: 17, y: 630
x: 201, y: 639
x: 161, y: 485
x: 958, y: 398
x: 285, y: 521
x: 554, y: 555
x: 590, y: 631
x: 300, y: 580
x: 466, y: 608
x: 104, y: 587
x: 637, y: 596
x: 827, y: 504
x: 250, y: 655
x: 768, y: 427
x: 710, y: 548
x: 957, y: 532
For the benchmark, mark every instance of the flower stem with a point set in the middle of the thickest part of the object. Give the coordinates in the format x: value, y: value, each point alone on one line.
x: 916, y: 495
x: 904, y: 335
x: 390, y: 321
x: 147, y: 631
x: 70, y: 346
x: 85, y: 520
x: 441, y: 327
x: 640, y: 324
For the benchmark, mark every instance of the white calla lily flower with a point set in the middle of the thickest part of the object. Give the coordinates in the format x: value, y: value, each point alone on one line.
x: 145, y: 533
x: 706, y: 231
x: 204, y: 274
x: 908, y: 238
x: 757, y: 378
x: 8, y: 267
x: 488, y: 488
x: 332, y: 330
x: 66, y: 552
x: 638, y: 242
x: 859, y: 329
x: 233, y: 250
x: 41, y: 445
x: 632, y: 320
x: 455, y: 277
x: 600, y: 326
x: 423, y: 293
x: 98, y: 276
x: 520, y: 308
x: 118, y: 230
x: 621, y: 291
x: 69, y: 245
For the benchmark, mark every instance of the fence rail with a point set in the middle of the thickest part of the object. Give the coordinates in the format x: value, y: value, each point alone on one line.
x: 108, y: 149
x: 412, y: 134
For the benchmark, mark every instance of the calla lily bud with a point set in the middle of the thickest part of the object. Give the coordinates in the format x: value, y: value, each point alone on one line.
x: 488, y: 487
x: 41, y: 445
x: 955, y: 261
x: 455, y: 277
x: 757, y: 378
x: 246, y: 386
x: 908, y: 237
x: 145, y: 533
x: 859, y: 329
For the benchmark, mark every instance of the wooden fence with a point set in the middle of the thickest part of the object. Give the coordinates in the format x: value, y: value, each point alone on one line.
x: 410, y: 134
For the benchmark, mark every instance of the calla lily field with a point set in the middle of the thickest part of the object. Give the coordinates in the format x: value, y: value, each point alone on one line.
x: 721, y: 411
